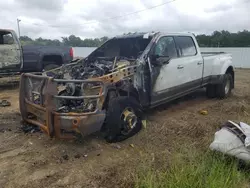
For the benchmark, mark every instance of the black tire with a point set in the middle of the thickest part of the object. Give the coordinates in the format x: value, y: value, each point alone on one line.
x: 50, y: 66
x: 224, y: 89
x: 114, y: 125
x: 211, y: 91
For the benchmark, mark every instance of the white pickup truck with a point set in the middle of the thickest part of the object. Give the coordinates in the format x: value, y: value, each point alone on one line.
x: 109, y: 89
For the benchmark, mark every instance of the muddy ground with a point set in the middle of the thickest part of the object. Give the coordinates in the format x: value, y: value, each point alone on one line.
x: 34, y: 160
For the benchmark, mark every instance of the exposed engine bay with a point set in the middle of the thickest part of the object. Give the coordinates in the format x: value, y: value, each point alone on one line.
x: 83, y: 70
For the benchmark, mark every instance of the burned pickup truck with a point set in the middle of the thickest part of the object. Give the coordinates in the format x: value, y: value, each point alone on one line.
x: 16, y: 59
x: 109, y: 90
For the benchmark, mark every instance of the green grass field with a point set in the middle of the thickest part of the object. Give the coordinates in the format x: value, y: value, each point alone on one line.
x: 194, y: 170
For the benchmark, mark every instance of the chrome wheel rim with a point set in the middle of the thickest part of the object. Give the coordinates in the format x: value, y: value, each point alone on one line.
x: 227, y: 86
x: 129, y: 120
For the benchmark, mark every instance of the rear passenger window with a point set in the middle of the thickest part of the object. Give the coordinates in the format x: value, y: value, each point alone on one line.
x: 186, y: 46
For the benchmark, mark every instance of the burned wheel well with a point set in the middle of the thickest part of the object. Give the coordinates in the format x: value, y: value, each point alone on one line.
x: 230, y: 70
x: 112, y: 93
x: 52, y: 59
x: 132, y: 93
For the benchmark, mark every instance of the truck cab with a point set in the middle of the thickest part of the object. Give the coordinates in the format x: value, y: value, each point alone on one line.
x: 10, y: 52
x: 177, y: 67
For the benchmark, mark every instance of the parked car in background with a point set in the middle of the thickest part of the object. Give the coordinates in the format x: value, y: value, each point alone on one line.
x: 15, y: 58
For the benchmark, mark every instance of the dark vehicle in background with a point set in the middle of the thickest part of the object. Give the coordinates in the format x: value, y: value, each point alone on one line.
x: 37, y: 58
x: 15, y: 58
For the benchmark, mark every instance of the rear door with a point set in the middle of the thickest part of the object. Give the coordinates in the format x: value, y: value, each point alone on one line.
x: 190, y: 63
x: 10, y: 52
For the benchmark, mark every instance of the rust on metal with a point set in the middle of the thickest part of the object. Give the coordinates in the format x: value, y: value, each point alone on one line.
x: 52, y: 122
x: 118, y: 75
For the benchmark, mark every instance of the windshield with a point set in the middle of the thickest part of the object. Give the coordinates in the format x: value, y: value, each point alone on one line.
x: 122, y: 47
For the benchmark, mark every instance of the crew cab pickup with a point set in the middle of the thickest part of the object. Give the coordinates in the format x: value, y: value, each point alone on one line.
x: 109, y: 89
x: 15, y: 58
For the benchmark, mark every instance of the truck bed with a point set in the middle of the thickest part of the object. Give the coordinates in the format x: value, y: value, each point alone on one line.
x: 206, y: 54
x: 34, y: 56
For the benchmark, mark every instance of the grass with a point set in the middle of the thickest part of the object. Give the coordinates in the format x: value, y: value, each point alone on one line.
x: 190, y: 166
x: 193, y: 170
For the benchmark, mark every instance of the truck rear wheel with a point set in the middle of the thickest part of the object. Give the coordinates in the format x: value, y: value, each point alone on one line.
x: 224, y: 89
x: 124, y: 119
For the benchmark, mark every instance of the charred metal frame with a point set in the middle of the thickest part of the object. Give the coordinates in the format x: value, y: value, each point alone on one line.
x: 54, y: 123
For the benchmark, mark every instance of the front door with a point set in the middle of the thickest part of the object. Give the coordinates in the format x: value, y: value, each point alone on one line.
x: 10, y: 57
x: 165, y: 78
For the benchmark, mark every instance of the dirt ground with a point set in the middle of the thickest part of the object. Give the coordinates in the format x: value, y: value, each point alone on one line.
x: 35, y: 160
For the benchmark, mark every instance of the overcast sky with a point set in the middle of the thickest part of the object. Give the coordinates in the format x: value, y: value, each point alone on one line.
x: 91, y: 18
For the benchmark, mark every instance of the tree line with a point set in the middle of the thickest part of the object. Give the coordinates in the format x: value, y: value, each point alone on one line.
x: 72, y: 40
x: 216, y: 39
x: 225, y: 39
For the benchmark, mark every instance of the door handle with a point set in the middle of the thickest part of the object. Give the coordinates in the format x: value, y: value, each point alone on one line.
x: 180, y: 67
x: 199, y: 63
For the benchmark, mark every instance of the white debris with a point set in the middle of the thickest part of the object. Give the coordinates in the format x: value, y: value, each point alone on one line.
x: 234, y: 140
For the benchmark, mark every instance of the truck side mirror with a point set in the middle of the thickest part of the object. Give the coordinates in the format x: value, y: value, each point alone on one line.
x: 160, y: 60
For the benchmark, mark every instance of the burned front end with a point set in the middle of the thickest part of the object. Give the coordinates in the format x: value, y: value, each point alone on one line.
x: 71, y: 99
x: 74, y: 98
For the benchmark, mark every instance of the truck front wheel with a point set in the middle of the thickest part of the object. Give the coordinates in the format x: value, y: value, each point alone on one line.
x: 123, y: 120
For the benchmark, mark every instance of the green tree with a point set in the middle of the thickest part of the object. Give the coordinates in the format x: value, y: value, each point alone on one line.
x: 216, y: 39
x: 225, y: 39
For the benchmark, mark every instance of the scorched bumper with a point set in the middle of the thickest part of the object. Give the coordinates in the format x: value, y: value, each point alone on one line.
x: 43, y: 112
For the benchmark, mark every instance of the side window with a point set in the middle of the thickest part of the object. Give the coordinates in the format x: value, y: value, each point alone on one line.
x: 186, y: 46
x: 6, y: 38
x: 166, y: 47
